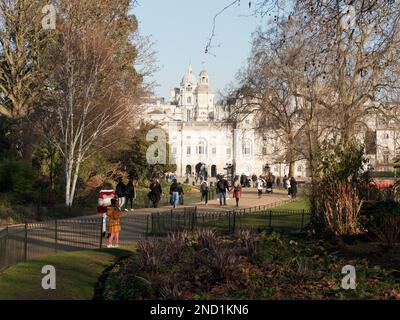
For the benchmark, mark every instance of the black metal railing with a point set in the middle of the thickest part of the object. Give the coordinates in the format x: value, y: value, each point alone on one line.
x: 28, y: 241
x: 34, y: 240
x: 259, y: 217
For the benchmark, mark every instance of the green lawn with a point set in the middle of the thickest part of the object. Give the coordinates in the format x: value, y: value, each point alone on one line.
x: 283, y: 222
x: 76, y: 275
x: 301, y: 203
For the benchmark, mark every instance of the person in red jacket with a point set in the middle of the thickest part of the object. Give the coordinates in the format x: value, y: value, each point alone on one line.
x: 237, y: 191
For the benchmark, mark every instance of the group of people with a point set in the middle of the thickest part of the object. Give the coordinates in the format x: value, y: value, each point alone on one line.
x: 290, y: 184
x: 112, y: 203
x: 223, y: 188
x: 126, y: 194
x: 175, y: 191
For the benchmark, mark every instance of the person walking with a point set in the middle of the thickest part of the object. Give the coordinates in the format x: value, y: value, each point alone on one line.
x: 155, y: 193
x: 254, y: 179
x: 287, y: 186
x: 222, y: 187
x: 181, y: 193
x: 293, y: 187
x: 260, y: 186
x: 130, y: 193
x: 120, y: 191
x: 269, y: 185
x: 284, y: 181
x: 174, y: 193
x: 114, y: 225
x: 237, y: 191
x: 204, y: 187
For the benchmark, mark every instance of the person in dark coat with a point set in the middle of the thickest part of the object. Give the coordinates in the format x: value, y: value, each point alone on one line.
x: 293, y: 187
x: 155, y: 193
x: 130, y: 193
x: 120, y: 191
x: 181, y: 193
x: 174, y: 193
x: 222, y: 188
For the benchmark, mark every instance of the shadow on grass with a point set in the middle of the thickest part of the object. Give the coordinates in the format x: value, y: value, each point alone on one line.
x: 76, y: 275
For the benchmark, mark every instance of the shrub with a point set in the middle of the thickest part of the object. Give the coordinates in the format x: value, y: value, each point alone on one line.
x: 16, y: 180
x: 386, y: 229
x: 382, y: 220
x: 335, y: 201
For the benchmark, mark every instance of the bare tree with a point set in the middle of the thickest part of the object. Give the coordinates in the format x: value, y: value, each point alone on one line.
x: 94, y: 80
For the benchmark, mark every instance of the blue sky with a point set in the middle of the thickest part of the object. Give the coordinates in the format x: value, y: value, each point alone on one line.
x: 181, y: 29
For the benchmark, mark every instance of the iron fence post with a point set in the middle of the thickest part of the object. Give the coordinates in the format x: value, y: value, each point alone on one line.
x: 26, y: 243
x: 101, y: 231
x: 171, y: 220
x: 147, y: 225
x: 56, y: 235
x: 270, y: 218
x: 302, y: 220
x: 234, y: 221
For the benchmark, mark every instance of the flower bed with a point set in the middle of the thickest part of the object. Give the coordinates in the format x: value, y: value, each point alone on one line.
x: 204, y: 265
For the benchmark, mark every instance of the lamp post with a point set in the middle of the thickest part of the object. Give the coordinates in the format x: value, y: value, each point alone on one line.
x: 267, y: 169
x: 228, y: 169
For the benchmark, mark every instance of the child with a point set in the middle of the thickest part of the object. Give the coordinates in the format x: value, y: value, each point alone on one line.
x: 114, y: 226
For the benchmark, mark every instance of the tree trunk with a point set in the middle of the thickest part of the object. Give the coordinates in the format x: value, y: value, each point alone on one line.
x: 291, y: 168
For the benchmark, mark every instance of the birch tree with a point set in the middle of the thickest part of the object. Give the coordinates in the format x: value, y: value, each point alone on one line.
x: 95, y: 82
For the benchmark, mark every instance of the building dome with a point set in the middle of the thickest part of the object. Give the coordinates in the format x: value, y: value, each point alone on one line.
x: 189, y: 77
x: 203, y: 73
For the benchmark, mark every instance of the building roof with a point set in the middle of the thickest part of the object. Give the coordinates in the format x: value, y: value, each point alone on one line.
x: 189, y: 77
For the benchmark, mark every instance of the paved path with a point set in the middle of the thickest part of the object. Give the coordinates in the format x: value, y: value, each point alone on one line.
x: 45, y: 238
x: 249, y: 199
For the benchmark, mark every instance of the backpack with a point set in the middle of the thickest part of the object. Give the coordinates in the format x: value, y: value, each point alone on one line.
x: 221, y: 185
x: 203, y: 186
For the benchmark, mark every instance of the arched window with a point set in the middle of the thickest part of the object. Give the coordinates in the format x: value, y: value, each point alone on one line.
x: 189, y: 100
x: 246, y: 148
x: 201, y: 148
x: 299, y: 168
x: 189, y: 88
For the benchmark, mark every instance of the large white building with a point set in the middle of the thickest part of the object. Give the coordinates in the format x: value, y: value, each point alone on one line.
x: 200, y: 138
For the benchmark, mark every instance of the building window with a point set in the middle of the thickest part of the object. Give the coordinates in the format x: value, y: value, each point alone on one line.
x: 385, y: 158
x: 214, y: 150
x: 189, y: 115
x: 188, y: 137
x: 189, y: 88
x: 188, y: 151
x: 276, y: 169
x: 228, y: 151
x: 386, y: 136
x: 201, y: 149
x: 174, y: 150
x: 189, y: 100
x: 264, y: 151
x: 299, y: 168
x: 246, y: 148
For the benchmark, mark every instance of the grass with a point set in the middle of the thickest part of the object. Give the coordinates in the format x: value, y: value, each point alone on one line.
x: 76, y: 275
x: 301, y: 203
x: 281, y: 222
